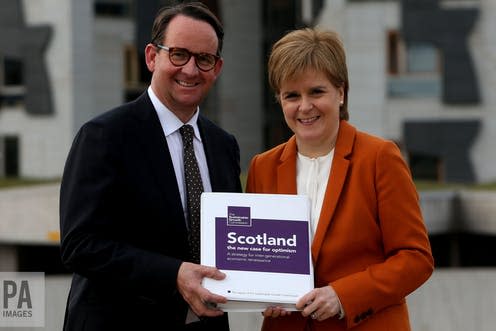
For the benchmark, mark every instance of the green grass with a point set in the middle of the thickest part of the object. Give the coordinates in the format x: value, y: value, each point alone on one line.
x: 433, y: 186
x: 420, y: 184
x: 423, y: 185
x: 484, y: 186
x: 10, y: 182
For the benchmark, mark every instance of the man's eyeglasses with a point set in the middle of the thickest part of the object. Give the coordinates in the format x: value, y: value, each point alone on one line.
x: 180, y: 56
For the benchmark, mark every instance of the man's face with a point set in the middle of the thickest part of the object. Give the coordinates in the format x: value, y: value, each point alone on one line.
x: 182, y: 88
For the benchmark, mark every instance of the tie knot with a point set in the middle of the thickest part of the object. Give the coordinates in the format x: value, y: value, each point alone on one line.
x: 187, y: 134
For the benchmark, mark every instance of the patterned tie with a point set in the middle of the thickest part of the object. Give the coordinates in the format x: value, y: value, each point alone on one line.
x: 194, y: 189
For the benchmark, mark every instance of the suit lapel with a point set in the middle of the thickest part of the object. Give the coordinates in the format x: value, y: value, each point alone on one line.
x: 154, y: 146
x: 339, y: 171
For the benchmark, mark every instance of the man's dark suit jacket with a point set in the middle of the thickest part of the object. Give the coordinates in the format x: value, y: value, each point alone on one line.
x: 122, y: 222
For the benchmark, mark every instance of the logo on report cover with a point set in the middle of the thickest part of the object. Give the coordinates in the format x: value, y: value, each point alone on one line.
x: 238, y: 216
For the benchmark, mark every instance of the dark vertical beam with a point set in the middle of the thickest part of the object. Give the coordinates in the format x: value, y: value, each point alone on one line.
x: 448, y: 29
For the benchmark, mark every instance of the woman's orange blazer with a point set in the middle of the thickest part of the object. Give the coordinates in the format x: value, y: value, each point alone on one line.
x: 371, y: 243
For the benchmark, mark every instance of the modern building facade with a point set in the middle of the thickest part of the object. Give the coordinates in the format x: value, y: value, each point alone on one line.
x: 422, y: 73
x: 65, y: 62
x: 59, y: 66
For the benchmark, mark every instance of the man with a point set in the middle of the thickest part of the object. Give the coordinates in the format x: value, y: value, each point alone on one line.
x: 124, y: 207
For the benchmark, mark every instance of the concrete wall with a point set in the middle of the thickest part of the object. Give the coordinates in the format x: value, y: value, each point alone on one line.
x: 444, y: 211
x: 362, y: 27
x: 29, y: 215
x: 111, y: 36
x: 465, y: 211
x: 451, y: 300
x: 44, y: 140
x: 455, y: 300
x: 85, y: 64
x: 483, y: 49
x: 240, y: 84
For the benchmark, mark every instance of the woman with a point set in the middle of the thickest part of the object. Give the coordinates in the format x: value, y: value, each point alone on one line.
x: 370, y: 247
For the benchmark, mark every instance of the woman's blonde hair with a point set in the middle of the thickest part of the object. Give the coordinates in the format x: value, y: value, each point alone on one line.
x: 305, y: 49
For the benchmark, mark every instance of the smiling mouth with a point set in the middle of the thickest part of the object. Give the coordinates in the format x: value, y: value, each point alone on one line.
x: 308, y: 120
x: 186, y: 84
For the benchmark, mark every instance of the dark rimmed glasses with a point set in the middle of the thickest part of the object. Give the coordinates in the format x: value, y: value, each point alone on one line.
x: 180, y: 56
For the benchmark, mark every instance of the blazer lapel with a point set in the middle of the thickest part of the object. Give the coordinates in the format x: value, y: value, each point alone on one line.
x: 339, y: 170
x: 286, y: 171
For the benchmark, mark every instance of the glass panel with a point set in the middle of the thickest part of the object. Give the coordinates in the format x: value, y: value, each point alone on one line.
x: 13, y: 72
x: 113, y: 8
x: 11, y: 148
x: 421, y: 58
x: 405, y: 86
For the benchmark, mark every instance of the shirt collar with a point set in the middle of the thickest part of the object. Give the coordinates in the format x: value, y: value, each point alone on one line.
x: 169, y: 121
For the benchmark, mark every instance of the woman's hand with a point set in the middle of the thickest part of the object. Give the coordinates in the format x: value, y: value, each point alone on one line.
x: 320, y: 303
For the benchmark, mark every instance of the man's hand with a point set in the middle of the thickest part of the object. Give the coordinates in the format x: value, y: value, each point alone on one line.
x: 275, y: 311
x: 189, y: 280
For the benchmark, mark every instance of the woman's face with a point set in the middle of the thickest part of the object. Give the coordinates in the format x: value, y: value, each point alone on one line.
x: 310, y: 103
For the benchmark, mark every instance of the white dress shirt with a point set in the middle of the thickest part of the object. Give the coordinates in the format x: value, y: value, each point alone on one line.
x: 170, y: 125
x: 312, y: 175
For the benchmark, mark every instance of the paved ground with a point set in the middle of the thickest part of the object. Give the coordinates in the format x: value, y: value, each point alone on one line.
x: 451, y: 300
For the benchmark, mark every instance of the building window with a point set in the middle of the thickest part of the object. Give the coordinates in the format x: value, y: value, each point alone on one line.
x: 393, y: 53
x: 113, y: 8
x: 131, y: 65
x: 414, y: 69
x: 9, y: 156
x: 13, y: 72
x: 134, y: 83
x: 422, y: 58
x: 426, y: 167
x: 12, y: 88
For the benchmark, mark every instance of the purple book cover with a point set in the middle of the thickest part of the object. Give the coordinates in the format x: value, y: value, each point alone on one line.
x: 243, y: 243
